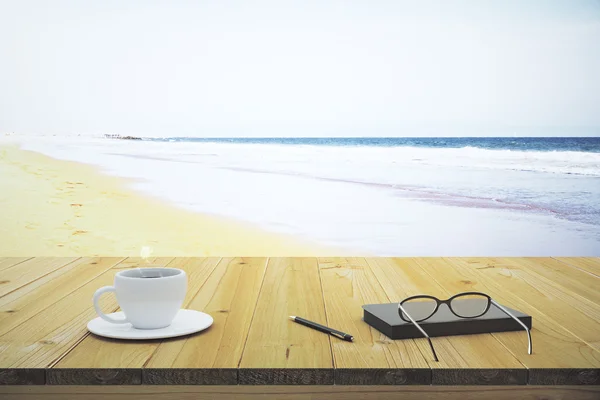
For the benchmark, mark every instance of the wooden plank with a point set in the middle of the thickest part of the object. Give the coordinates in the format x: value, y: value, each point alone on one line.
x: 486, y: 358
x: 25, y: 302
x: 22, y: 377
x: 134, y: 262
x: 372, y: 358
x: 532, y: 285
x: 7, y: 262
x: 334, y: 392
x: 278, y: 350
x: 578, y: 315
x: 190, y: 376
x: 28, y: 271
x: 553, y: 346
x: 96, y: 376
x: 588, y: 264
x: 44, y: 338
x: 563, y: 376
x: 99, y: 353
x: 571, y: 280
x: 287, y: 376
x: 229, y: 296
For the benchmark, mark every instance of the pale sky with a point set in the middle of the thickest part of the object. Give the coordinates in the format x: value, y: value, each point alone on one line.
x: 300, y: 68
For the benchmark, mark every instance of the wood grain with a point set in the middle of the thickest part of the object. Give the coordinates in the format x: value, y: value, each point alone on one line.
x: 553, y: 346
x: 99, y: 352
x: 95, y: 376
x: 564, y: 376
x: 23, y: 376
x: 480, y: 376
x: 382, y: 376
x: 286, y: 376
x: 578, y: 315
x: 47, y: 336
x: 482, y: 354
x: 28, y: 271
x: 372, y: 358
x: 135, y: 262
x: 190, y: 376
x: 588, y: 264
x: 574, y: 282
x: 337, y: 392
x: 25, y: 302
x: 229, y: 296
x: 252, y: 342
x: 291, y: 351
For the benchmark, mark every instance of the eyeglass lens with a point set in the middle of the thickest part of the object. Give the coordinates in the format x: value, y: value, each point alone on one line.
x: 419, y: 308
x: 469, y: 305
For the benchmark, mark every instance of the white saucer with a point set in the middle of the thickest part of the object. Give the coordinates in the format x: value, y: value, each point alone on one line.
x: 185, y: 323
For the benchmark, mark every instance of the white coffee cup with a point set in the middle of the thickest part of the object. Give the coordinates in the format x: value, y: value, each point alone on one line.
x: 149, y: 297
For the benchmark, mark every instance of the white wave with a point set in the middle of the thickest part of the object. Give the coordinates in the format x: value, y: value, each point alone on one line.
x: 381, y: 161
x: 558, y: 162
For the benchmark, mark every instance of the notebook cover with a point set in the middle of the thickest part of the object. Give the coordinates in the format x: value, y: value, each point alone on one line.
x: 385, y: 318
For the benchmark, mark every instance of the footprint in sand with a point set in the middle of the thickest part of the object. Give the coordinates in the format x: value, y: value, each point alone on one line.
x: 76, y: 205
x: 112, y: 195
x: 68, y: 226
x: 79, y: 233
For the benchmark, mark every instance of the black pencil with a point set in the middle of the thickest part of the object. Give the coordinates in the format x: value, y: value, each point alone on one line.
x: 322, y: 328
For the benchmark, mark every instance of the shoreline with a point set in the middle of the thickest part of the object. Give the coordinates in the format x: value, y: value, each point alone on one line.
x: 223, y: 207
x: 55, y: 207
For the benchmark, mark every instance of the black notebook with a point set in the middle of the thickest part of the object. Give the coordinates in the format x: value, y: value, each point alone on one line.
x: 385, y: 318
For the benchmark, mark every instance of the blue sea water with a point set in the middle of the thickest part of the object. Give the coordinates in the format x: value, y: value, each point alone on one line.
x: 581, y: 144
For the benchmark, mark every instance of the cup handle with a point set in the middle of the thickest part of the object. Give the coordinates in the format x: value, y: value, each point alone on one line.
x: 105, y: 317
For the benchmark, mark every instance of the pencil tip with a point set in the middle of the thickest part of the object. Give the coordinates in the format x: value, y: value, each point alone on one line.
x: 292, y: 317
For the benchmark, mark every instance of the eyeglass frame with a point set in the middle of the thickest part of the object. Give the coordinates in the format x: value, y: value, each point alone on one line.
x: 448, y: 302
x: 491, y: 301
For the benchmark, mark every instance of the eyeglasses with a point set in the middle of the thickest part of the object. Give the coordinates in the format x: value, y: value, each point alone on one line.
x: 463, y: 305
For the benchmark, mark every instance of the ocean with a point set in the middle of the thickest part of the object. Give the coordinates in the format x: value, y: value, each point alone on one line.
x: 375, y: 196
x: 583, y: 144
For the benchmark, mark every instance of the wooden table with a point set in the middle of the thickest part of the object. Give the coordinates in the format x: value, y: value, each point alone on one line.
x: 45, y: 304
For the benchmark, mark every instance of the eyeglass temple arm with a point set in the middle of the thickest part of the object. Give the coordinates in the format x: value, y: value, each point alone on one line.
x: 422, y: 331
x: 529, y: 350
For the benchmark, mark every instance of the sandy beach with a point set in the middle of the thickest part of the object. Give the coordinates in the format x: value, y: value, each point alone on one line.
x: 52, y: 207
x: 87, y: 195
